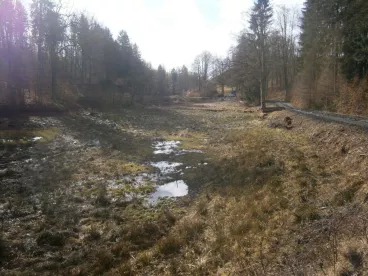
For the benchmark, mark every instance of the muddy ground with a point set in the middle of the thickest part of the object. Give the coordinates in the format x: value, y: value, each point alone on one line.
x: 78, y: 187
x: 248, y: 194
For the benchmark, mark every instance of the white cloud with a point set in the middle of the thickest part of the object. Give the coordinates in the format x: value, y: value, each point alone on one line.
x: 172, y: 32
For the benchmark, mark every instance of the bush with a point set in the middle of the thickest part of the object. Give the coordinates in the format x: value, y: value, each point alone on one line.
x: 144, y: 259
x: 191, y: 228
x: 104, y: 261
x: 93, y: 235
x: 347, y: 195
x: 170, y: 245
x: 144, y: 234
x: 51, y: 238
x: 306, y: 213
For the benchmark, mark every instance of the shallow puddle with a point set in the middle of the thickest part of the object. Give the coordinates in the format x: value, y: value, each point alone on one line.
x: 168, y: 170
x: 176, y: 188
x: 190, y: 151
x: 165, y: 147
x: 173, y: 189
x: 37, y: 138
x: 7, y: 141
x: 21, y: 140
x: 166, y: 167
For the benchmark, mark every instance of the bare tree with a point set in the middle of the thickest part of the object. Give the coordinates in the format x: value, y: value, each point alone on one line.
x: 286, y: 20
x: 220, y: 72
x: 202, y: 66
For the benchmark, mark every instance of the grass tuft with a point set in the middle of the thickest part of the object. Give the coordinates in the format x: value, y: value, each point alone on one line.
x: 51, y: 238
x: 170, y: 245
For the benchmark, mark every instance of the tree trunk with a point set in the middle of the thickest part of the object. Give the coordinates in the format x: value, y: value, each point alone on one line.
x: 261, y: 95
x: 286, y: 79
x: 53, y: 75
x: 83, y: 66
x: 90, y: 73
x: 53, y: 65
x: 263, y: 79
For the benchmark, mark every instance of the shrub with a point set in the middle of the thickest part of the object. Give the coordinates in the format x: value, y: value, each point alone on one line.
x: 170, y: 245
x: 191, y: 229
x: 144, y: 258
x: 51, y: 238
x: 347, y: 195
x: 93, y: 235
x: 306, y: 213
x: 104, y: 261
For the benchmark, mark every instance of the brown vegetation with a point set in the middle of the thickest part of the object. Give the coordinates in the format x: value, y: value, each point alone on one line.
x: 281, y: 202
x: 272, y: 200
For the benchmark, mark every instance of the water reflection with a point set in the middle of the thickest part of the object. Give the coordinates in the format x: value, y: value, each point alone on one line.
x: 165, y: 147
x: 166, y: 167
x: 173, y: 189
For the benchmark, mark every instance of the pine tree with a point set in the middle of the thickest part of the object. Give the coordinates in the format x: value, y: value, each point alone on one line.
x: 260, y: 23
x: 355, y: 42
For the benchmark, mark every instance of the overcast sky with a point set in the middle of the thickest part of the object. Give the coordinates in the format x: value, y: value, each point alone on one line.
x: 173, y: 32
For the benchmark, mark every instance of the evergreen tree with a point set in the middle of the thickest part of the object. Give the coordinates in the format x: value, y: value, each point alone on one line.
x: 355, y: 39
x: 260, y: 23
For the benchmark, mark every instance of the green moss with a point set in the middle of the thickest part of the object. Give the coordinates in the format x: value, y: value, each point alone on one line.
x: 131, y: 167
x: 145, y: 189
x: 128, y: 188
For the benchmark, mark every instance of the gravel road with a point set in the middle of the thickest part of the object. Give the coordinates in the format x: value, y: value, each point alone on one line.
x: 328, y: 116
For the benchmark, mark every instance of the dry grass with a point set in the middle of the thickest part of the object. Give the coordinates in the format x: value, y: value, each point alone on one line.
x: 99, y: 164
x: 190, y: 139
x: 280, y: 203
x: 271, y: 201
